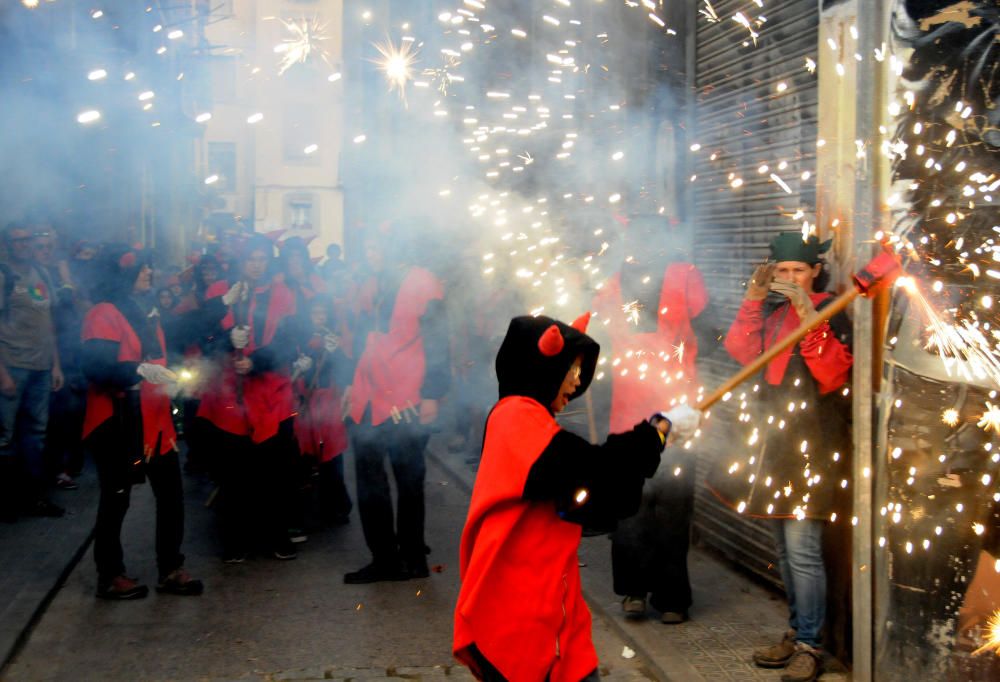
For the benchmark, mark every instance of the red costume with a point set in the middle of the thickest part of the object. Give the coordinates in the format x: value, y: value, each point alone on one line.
x: 650, y: 361
x: 105, y: 322
x: 521, y: 610
x: 266, y: 395
x: 391, y: 370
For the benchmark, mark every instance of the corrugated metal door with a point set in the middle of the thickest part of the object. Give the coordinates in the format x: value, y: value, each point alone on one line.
x: 755, y: 119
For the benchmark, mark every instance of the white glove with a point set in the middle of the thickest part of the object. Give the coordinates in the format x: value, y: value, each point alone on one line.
x: 331, y: 342
x: 156, y: 374
x: 684, y: 421
x: 302, y: 364
x: 237, y: 292
x: 239, y: 336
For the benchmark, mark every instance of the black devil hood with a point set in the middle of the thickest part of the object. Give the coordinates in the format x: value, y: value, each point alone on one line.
x: 536, y: 370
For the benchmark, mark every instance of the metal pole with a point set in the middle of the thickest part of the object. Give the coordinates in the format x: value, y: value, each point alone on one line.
x: 871, y: 97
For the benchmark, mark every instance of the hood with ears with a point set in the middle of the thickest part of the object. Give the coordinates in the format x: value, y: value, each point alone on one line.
x: 536, y: 354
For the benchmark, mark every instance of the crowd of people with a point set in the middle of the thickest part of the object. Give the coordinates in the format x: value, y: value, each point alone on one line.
x: 270, y: 368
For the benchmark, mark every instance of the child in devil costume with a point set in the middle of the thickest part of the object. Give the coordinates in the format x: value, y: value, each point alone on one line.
x: 520, y: 613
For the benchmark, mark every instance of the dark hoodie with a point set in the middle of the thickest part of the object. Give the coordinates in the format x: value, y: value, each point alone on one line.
x: 520, y: 612
x: 119, y: 266
x: 612, y: 472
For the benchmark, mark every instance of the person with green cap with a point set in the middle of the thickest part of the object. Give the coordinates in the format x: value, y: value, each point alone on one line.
x: 795, y: 465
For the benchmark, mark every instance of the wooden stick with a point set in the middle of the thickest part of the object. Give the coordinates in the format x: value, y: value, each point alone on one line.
x: 748, y: 371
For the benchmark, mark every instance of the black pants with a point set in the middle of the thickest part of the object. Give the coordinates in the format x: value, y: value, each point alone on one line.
x: 257, y: 489
x: 403, y: 445
x: 649, y: 550
x: 115, y: 473
x: 334, y: 501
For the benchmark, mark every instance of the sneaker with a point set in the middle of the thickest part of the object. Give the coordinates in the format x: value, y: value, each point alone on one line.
x: 179, y: 582
x: 121, y: 588
x: 673, y: 617
x: 297, y: 536
x: 776, y: 655
x: 44, y: 507
x: 234, y: 557
x: 65, y: 482
x: 634, y: 607
x: 377, y: 572
x: 804, y: 665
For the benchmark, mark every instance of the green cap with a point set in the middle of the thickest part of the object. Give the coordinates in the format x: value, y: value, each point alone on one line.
x: 791, y: 246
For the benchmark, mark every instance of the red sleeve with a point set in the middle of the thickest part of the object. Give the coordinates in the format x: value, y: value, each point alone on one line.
x: 101, y: 323
x: 744, y: 341
x: 216, y: 288
x: 828, y: 360
x: 697, y: 296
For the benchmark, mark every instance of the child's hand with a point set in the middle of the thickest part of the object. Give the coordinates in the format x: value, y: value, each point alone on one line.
x: 684, y: 421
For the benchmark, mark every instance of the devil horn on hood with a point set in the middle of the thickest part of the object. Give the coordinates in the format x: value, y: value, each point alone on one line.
x: 551, y: 342
x: 580, y: 323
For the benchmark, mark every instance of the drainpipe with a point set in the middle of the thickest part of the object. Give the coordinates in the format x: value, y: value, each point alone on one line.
x: 869, y: 217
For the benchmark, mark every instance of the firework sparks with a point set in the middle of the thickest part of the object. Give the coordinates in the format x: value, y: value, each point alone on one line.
x: 741, y: 19
x: 631, y: 310
x: 397, y: 64
x: 709, y: 13
x: 991, y: 418
x: 305, y: 41
x: 679, y: 352
x: 992, y: 635
x: 950, y: 416
x: 962, y: 346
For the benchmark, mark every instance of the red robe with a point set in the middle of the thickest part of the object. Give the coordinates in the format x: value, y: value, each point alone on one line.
x: 267, y: 396
x: 105, y: 322
x: 319, y: 426
x: 520, y: 603
x: 670, y: 349
x: 390, y: 371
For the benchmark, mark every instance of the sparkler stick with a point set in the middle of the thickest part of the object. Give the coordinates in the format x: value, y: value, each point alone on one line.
x: 880, y: 271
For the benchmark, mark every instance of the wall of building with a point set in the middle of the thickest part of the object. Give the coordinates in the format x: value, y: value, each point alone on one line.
x: 281, y: 172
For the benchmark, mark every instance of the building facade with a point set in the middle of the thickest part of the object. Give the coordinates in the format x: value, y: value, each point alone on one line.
x: 271, y: 150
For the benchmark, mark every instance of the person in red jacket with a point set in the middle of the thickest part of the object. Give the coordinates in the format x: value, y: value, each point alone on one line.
x: 128, y: 425
x: 800, y: 438
x: 648, y: 310
x: 520, y: 613
x: 250, y: 405
x: 403, y: 370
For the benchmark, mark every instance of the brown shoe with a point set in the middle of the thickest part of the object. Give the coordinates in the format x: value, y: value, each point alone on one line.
x: 804, y: 665
x: 776, y: 655
x: 634, y: 607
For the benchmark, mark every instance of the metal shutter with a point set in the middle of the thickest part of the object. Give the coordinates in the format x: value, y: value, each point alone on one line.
x: 743, y: 119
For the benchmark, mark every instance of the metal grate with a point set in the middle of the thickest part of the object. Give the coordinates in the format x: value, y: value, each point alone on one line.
x: 747, y: 121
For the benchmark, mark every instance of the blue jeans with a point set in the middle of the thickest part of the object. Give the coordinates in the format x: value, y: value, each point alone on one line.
x: 800, y: 558
x: 23, y: 418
